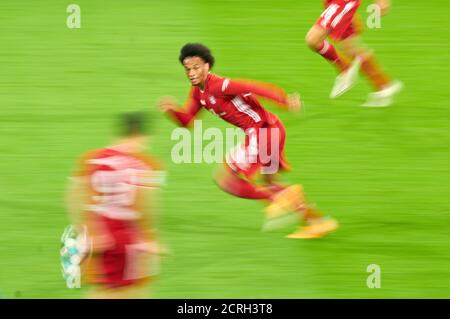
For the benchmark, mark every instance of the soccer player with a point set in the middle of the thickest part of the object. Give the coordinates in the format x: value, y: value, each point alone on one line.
x: 111, y: 195
x: 236, y: 102
x: 340, y: 23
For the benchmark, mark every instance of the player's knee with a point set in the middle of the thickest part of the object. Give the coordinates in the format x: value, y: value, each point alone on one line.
x: 313, y: 40
x: 221, y: 177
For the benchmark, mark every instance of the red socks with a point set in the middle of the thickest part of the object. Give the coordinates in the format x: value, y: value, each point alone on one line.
x: 374, y: 73
x: 330, y: 54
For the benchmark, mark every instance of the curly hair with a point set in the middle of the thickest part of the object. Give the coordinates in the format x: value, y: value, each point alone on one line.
x: 198, y: 50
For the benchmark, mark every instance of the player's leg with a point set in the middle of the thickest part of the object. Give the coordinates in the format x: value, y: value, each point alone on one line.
x: 285, y: 203
x: 384, y: 87
x: 281, y: 199
x: 316, y: 41
x: 333, y: 23
x: 237, y: 174
x: 125, y: 292
x: 282, y: 202
x: 243, y: 166
x: 123, y: 270
x: 315, y: 224
x: 339, y: 19
x: 354, y: 47
x: 287, y: 198
x: 100, y: 292
x: 292, y: 198
x: 238, y: 185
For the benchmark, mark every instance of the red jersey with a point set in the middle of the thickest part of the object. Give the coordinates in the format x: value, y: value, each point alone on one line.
x: 115, y: 212
x: 327, y: 2
x: 232, y: 100
x: 113, y: 180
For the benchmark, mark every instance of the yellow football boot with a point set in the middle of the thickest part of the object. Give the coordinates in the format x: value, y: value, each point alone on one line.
x: 283, y: 210
x: 316, y: 229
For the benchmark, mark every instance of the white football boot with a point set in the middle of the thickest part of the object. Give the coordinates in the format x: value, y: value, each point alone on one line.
x: 345, y: 80
x: 385, y: 96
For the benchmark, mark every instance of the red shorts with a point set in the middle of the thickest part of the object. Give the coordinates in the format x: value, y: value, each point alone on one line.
x: 262, y: 150
x: 339, y: 19
x: 126, y: 262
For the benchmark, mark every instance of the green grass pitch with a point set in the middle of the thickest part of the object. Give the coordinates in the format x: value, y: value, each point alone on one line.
x: 383, y: 173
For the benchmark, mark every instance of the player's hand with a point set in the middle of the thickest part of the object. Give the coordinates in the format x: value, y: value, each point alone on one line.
x: 164, y: 250
x: 294, y: 102
x: 156, y: 248
x: 384, y: 6
x: 167, y: 103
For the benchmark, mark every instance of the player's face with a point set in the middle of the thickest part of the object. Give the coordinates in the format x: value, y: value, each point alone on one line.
x: 196, y: 70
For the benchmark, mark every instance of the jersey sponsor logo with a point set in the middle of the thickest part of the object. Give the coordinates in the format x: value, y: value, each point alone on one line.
x: 212, y: 100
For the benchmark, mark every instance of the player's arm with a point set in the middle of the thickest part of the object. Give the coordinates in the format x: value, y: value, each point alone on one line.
x: 182, y: 115
x: 149, y: 184
x: 76, y: 199
x: 77, y: 195
x: 268, y: 91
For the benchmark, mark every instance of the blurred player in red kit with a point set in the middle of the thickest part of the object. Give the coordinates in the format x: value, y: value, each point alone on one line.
x: 340, y: 23
x: 236, y: 102
x: 111, y: 195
